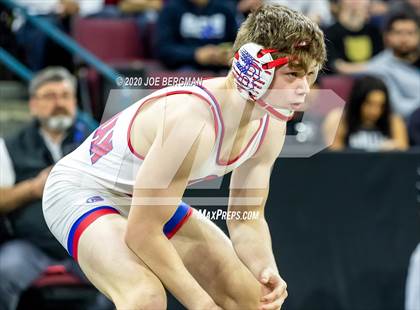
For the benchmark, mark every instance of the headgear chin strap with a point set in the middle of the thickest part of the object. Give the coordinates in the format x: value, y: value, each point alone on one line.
x: 253, y: 68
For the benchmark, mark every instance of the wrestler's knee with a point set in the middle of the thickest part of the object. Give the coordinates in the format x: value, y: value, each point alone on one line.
x: 245, y: 296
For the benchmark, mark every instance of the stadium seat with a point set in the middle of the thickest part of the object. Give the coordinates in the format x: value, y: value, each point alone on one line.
x: 117, y: 42
x: 57, y: 288
x: 340, y: 84
x: 112, y: 40
x: 57, y: 275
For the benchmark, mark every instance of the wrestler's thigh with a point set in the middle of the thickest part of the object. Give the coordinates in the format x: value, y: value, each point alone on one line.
x: 209, y: 256
x: 114, y: 269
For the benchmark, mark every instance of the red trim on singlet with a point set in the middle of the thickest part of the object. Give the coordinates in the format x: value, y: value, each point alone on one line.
x: 279, y: 115
x: 215, y: 113
x: 274, y: 112
x: 179, y: 225
x: 176, y: 92
x: 207, y: 178
x: 218, y: 160
x: 267, y: 122
x: 84, y: 224
x: 230, y: 162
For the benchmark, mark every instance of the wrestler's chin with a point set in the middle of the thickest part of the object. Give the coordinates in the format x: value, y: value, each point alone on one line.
x: 294, y: 106
x: 298, y: 106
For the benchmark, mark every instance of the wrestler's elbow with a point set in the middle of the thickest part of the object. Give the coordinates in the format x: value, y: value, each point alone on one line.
x: 138, y: 235
x: 130, y: 240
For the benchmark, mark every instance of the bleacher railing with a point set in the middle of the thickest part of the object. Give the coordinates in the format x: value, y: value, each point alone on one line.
x: 15, y: 65
x: 60, y: 38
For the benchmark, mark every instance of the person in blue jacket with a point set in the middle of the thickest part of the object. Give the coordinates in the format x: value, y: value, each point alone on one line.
x: 196, y: 34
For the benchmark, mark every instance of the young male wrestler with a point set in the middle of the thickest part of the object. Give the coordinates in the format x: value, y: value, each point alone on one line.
x: 114, y: 203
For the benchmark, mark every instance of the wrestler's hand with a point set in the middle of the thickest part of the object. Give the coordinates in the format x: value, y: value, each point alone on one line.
x: 273, y: 290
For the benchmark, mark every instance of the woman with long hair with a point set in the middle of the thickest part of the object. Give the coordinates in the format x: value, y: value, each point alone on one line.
x: 368, y: 122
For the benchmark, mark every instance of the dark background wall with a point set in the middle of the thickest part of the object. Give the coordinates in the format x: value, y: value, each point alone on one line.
x: 343, y: 228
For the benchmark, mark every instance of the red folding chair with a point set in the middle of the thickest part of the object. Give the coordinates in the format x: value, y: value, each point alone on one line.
x: 57, y: 275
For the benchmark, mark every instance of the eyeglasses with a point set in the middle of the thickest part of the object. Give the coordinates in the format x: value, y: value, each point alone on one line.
x: 55, y: 96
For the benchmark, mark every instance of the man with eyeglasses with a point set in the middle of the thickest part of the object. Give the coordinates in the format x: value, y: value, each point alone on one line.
x: 57, y: 129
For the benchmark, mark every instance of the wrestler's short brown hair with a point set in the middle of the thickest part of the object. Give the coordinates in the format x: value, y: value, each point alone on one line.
x: 290, y: 32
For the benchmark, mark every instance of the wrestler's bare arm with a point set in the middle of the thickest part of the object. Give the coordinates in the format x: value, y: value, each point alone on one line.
x: 251, y: 238
x: 159, y: 187
x: 249, y: 189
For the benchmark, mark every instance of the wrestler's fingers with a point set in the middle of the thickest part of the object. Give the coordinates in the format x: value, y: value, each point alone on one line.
x: 276, y: 293
x: 276, y: 304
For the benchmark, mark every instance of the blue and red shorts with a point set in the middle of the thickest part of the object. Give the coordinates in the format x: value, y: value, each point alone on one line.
x: 181, y: 215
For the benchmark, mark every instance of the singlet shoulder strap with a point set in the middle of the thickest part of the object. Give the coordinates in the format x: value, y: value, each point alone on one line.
x: 205, y: 95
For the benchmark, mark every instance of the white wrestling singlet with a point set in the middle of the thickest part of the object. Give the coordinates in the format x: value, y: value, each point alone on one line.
x: 98, y: 177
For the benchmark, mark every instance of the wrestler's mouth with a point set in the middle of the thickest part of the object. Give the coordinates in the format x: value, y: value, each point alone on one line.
x: 296, y: 105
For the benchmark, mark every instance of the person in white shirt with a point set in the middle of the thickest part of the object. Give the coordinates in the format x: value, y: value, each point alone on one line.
x: 26, y: 159
x: 39, y: 50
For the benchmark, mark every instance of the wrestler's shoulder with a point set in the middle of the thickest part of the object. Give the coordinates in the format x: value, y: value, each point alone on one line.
x: 187, y: 106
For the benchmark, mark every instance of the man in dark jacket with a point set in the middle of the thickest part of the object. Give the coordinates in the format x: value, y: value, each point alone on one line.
x: 57, y: 128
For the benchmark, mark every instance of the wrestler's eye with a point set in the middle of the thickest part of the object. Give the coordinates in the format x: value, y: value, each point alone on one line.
x: 293, y: 74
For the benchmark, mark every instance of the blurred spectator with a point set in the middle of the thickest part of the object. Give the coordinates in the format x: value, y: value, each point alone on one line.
x: 399, y: 64
x: 379, y: 8
x: 241, y: 7
x: 39, y: 49
x: 378, y: 11
x: 145, y: 13
x: 368, y: 123
x: 414, y: 127
x: 7, y: 40
x: 319, y: 11
x: 142, y: 9
x: 412, y: 6
x: 352, y: 39
x: 196, y: 34
x: 246, y: 6
x: 136, y: 6
x: 62, y: 7
x: 26, y: 159
x: 412, y: 289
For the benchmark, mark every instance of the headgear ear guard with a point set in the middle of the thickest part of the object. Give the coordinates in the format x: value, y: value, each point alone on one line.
x: 253, y: 68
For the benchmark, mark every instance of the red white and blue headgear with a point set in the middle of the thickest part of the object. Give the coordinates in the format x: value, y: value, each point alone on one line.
x: 253, y: 68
